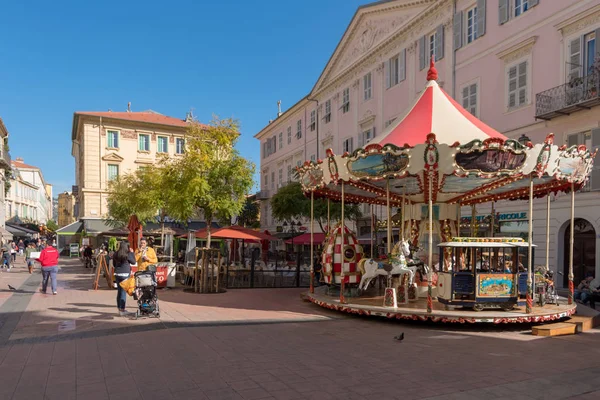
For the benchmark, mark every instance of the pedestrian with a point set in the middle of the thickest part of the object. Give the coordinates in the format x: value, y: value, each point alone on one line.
x: 13, y: 251
x: 6, y: 258
x: 30, y: 261
x: 122, y: 261
x: 145, y: 255
x: 21, y: 246
x: 49, y: 260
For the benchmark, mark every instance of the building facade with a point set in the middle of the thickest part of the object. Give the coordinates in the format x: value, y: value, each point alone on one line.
x: 5, y: 165
x: 109, y: 144
x: 524, y: 67
x: 28, y: 198
x: 65, y: 209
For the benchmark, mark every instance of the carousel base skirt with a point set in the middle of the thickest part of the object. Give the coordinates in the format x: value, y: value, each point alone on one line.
x: 369, y: 305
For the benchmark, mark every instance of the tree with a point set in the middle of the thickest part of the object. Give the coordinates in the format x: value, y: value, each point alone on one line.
x: 210, y: 177
x: 51, y: 225
x: 250, y: 214
x: 291, y: 203
x: 133, y: 193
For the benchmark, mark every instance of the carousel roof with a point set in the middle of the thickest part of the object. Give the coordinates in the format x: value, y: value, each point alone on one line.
x: 435, y: 111
x: 441, y: 152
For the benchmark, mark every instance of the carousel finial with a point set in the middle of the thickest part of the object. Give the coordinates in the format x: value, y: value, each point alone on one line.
x: 432, y: 74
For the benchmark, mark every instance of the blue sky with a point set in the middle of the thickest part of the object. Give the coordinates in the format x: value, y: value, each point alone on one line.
x: 227, y: 57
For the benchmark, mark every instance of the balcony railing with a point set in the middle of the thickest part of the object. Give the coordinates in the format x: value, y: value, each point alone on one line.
x: 579, y: 94
x: 5, y: 158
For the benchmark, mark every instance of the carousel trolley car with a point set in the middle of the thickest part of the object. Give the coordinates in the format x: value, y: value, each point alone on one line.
x: 482, y: 273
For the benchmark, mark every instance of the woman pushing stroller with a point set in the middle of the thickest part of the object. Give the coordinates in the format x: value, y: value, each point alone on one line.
x: 123, y: 259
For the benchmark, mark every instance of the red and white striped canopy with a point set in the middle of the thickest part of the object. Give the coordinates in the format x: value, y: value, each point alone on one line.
x: 434, y: 111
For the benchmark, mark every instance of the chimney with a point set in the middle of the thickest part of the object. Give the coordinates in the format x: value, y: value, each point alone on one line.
x: 278, y: 108
x: 19, y: 159
x: 129, y: 107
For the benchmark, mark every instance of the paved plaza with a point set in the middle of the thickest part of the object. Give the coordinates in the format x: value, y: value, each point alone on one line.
x: 264, y: 344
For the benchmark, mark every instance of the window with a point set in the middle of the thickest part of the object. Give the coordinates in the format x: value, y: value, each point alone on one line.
x: 517, y: 85
x: 346, y: 100
x: 347, y: 145
x: 432, y: 45
x: 289, y: 133
x: 280, y: 140
x: 266, y: 180
x: 469, y: 98
x: 521, y: 6
x: 327, y: 111
x: 280, y: 176
x: 471, y: 24
x: 313, y: 158
x: 392, y: 71
x: 112, y: 138
x: 299, y: 129
x: 289, y: 173
x: 366, y: 136
x: 162, y: 146
x: 367, y: 86
x: 144, y: 142
x: 313, y: 120
x: 299, y: 163
x: 273, y: 180
x: 389, y: 122
x: 273, y: 144
x: 179, y: 146
x: 113, y: 171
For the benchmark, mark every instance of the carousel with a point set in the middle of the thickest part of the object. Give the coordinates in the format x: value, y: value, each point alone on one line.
x: 433, y: 161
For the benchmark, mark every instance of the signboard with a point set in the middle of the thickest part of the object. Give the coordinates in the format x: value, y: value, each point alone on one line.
x: 85, y: 241
x: 74, y: 250
x: 516, y: 216
x: 496, y: 285
x: 34, y: 255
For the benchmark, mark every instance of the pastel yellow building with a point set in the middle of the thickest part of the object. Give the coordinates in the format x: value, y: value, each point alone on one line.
x: 109, y: 144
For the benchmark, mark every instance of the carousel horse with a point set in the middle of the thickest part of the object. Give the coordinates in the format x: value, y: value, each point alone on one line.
x: 412, y: 261
x: 370, y: 269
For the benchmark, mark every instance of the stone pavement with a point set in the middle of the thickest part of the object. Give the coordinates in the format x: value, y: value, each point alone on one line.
x: 267, y: 344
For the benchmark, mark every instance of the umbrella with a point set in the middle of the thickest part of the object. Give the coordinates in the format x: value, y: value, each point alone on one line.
x: 239, y: 232
x: 135, y: 231
x: 190, y: 251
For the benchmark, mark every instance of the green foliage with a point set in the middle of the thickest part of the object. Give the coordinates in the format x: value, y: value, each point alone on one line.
x: 112, y: 244
x: 250, y: 214
x: 51, y: 225
x: 211, y: 176
x: 290, y: 203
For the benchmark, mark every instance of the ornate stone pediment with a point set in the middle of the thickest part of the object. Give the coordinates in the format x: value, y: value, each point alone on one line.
x: 370, y: 27
x: 112, y: 157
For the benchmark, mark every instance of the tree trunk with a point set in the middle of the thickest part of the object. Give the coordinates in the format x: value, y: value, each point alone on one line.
x: 162, y: 229
x: 208, y: 220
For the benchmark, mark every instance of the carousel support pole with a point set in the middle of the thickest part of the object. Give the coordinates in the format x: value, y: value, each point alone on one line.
x: 493, y: 222
x: 402, y: 214
x: 372, y: 230
x: 473, y: 219
x: 458, y: 219
x: 389, y: 227
x: 547, y: 232
x: 312, y: 256
x: 430, y: 258
x: 529, y: 299
x: 571, y: 243
x: 342, y: 277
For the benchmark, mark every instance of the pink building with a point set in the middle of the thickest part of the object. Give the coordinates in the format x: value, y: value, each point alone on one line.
x: 525, y: 67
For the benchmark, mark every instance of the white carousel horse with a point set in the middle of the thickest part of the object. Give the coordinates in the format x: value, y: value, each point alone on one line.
x: 413, y: 263
x: 370, y: 269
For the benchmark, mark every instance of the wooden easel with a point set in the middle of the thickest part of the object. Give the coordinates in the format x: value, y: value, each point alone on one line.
x: 102, y: 266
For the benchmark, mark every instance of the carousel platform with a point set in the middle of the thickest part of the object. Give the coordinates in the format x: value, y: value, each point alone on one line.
x: 371, y: 306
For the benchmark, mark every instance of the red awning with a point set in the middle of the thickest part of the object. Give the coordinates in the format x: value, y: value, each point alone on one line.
x: 318, y: 238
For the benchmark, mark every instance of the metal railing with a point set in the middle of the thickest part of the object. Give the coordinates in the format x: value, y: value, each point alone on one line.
x: 5, y: 157
x: 564, y: 99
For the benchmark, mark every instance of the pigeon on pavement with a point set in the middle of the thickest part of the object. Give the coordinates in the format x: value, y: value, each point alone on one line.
x: 400, y: 337
x: 12, y: 288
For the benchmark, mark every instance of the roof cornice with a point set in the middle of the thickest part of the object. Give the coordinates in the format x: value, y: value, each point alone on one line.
x: 287, y: 114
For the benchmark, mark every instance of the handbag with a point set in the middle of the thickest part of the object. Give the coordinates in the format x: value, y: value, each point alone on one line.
x: 128, y: 285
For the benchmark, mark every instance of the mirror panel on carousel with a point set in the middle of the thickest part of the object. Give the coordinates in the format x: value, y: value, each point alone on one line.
x: 490, y: 160
x: 378, y: 165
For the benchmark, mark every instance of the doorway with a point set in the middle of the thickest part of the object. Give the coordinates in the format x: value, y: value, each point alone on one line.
x: 584, y: 251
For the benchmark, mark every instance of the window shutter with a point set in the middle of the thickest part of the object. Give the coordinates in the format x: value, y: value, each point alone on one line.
x: 502, y: 11
x: 595, y: 175
x: 422, y: 53
x: 522, y: 83
x: 573, y: 140
x: 481, y: 15
x: 533, y: 3
x: 361, y: 139
x: 512, y: 86
x: 574, y: 67
x: 465, y: 97
x: 458, y: 30
x: 439, y: 43
x: 274, y: 144
x: 388, y: 72
x: 373, y: 133
x: 402, y: 66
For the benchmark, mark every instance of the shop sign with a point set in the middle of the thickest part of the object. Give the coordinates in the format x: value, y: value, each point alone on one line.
x: 516, y: 216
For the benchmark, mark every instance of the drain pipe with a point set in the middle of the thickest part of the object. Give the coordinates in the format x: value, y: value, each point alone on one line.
x: 453, y: 52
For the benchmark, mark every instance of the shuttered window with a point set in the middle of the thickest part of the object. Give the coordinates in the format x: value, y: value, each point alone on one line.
x: 471, y: 24
x: 289, y: 134
x: 367, y: 87
x: 346, y: 100
x: 299, y: 129
x: 327, y: 116
x: 280, y: 140
x: 396, y: 69
x: 348, y: 145
x: 517, y: 85
x: 574, y: 64
x: 469, y: 98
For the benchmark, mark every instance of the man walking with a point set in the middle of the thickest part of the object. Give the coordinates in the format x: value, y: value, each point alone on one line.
x: 49, y: 260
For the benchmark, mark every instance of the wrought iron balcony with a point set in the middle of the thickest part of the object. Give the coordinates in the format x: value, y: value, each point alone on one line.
x: 579, y: 94
x: 5, y: 159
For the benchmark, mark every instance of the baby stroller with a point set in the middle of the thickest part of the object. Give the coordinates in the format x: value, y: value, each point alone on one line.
x: 145, y: 293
